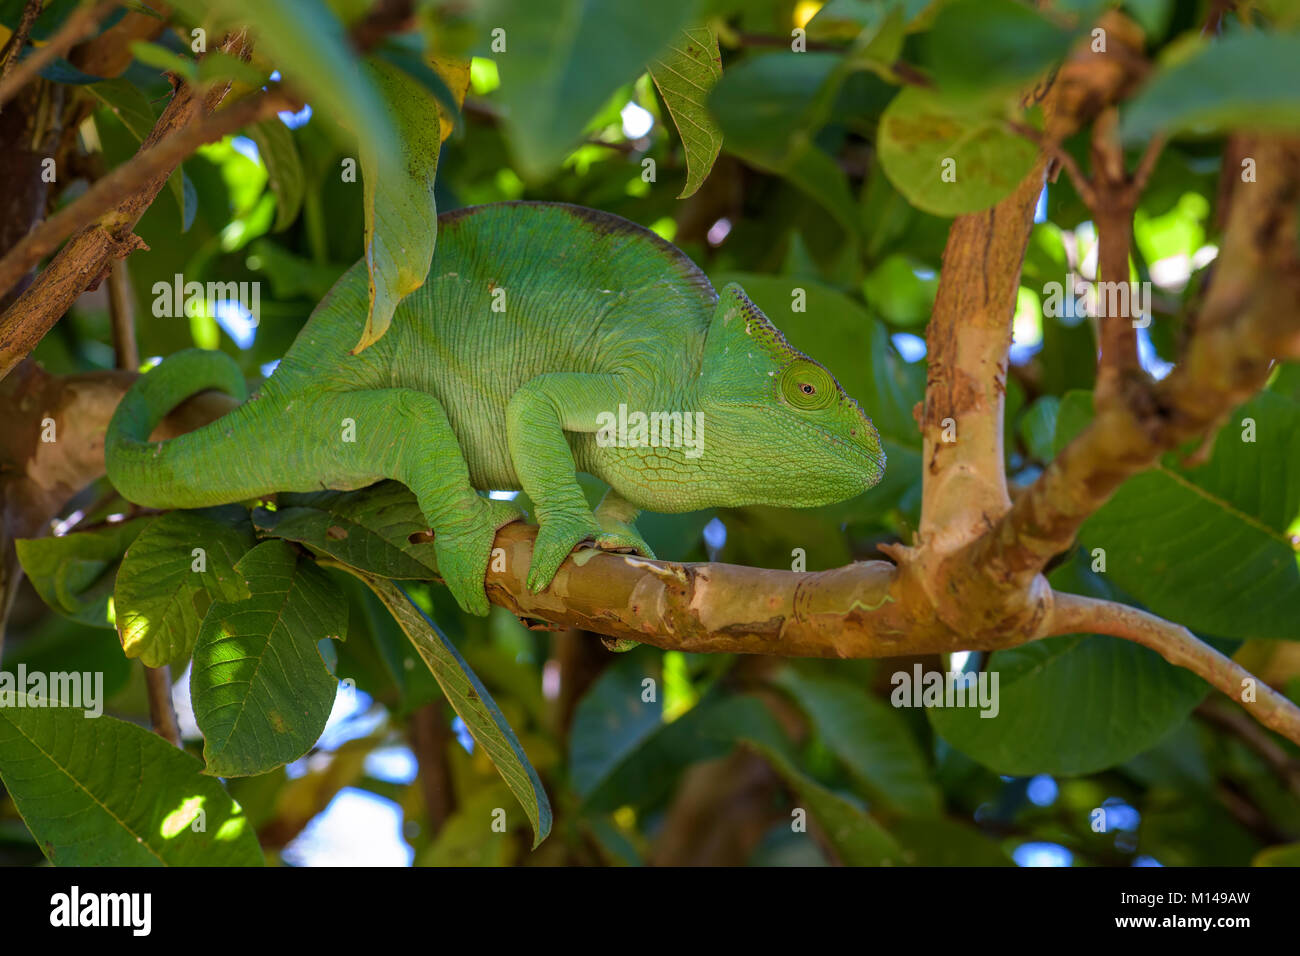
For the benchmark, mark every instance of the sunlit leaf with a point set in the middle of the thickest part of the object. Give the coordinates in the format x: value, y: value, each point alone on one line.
x: 283, y: 168
x: 105, y: 792
x: 554, y: 79
x: 948, y: 162
x: 261, y: 690
x: 171, y: 574
x: 74, y: 573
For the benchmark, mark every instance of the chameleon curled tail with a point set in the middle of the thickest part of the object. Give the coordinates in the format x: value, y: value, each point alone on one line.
x: 287, y: 441
x: 234, y: 458
x: 187, y: 471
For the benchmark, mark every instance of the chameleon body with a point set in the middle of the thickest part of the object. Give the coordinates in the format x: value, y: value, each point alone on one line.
x: 536, y: 323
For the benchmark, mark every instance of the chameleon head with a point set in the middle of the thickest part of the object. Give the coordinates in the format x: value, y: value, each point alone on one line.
x: 782, y: 430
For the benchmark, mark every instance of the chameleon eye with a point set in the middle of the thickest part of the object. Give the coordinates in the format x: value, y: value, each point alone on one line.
x: 807, y: 386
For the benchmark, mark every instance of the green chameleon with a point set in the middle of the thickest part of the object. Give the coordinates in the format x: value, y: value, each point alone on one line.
x: 540, y: 330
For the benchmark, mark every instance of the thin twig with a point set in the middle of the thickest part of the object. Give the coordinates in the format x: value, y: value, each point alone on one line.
x: 78, y: 26
x: 122, y: 316
x: 1082, y: 184
x: 1253, y: 736
x: 13, y: 48
x: 1075, y: 614
x: 162, y: 713
x: 1147, y: 164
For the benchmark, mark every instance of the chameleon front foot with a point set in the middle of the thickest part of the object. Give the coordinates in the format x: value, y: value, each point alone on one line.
x: 560, y: 535
x: 622, y: 537
x: 557, y: 536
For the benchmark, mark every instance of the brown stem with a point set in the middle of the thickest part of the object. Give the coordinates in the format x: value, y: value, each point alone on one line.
x: 1074, y: 614
x: 78, y: 26
x: 162, y: 717
x: 1116, y: 299
x: 430, y: 736
x: 1250, y: 317
x: 126, y: 354
x: 1061, y: 156
x: 1249, y: 733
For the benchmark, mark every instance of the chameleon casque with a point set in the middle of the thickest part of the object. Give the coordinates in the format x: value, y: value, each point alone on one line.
x: 598, y: 313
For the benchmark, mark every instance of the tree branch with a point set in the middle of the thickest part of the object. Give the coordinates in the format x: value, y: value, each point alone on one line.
x: 76, y: 28
x: 117, y: 201
x: 1250, y: 317
x: 969, y: 334
x: 103, y: 202
x: 1074, y: 614
x: 13, y: 48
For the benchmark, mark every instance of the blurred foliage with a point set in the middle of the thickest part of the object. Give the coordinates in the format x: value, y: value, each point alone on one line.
x: 826, y: 203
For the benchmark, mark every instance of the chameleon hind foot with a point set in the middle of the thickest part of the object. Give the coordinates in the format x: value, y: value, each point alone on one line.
x: 465, y: 550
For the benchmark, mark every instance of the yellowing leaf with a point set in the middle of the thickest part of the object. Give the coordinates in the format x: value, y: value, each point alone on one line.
x: 455, y: 73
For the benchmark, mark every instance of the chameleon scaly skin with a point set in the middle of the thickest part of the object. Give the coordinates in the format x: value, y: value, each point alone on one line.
x: 592, y: 313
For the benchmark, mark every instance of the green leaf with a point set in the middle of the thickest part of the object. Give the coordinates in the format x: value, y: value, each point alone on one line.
x: 869, y: 738
x: 128, y: 104
x: 941, y: 841
x: 131, y: 107
x: 901, y: 296
x: 685, y: 74
x: 467, y: 837
x: 104, y: 792
x: 217, y: 65
x: 261, y: 690
x: 1075, y: 704
x: 401, y: 215
x: 612, y: 721
x: 309, y: 46
x: 151, y: 54
x: 74, y: 573
x: 769, y: 104
x: 644, y: 776
x: 563, y: 60
x: 369, y: 530
x: 1287, y: 854
x: 283, y: 167
x: 949, y: 163
x: 470, y: 699
x: 1072, y: 705
x: 1038, y: 425
x: 1243, y: 80
x: 855, y: 838
x: 1167, y: 531
x: 160, y: 599
x: 993, y: 48
x: 768, y: 109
